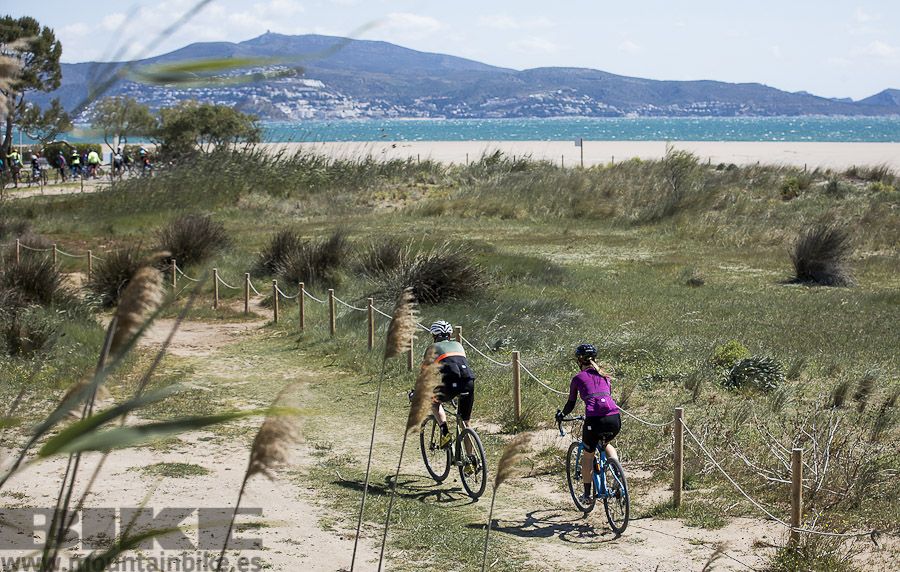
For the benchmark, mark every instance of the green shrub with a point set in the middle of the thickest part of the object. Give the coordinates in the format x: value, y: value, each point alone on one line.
x: 820, y: 256
x: 35, y: 278
x: 813, y: 553
x: 382, y: 258
x: 281, y: 245
x: 26, y: 334
x: 112, y: 274
x: 762, y: 373
x: 442, y: 274
x: 837, y: 188
x: 192, y: 239
x: 792, y: 186
x: 880, y: 187
x: 317, y: 263
x: 728, y: 354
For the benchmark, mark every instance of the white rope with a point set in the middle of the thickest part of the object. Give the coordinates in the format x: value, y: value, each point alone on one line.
x: 180, y: 271
x: 761, y: 507
x: 252, y: 287
x: 225, y: 284
x: 388, y: 316
x: 26, y: 247
x: 311, y: 297
x: 95, y: 257
x: 482, y: 354
x: 71, y: 255
x: 339, y: 301
x: 283, y: 295
x: 534, y: 377
x: 639, y: 420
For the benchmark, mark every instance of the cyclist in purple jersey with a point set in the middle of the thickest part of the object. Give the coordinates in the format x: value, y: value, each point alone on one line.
x: 601, y: 414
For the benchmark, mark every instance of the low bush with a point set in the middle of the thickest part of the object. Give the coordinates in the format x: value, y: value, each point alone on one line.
x: 192, y: 239
x: 382, y: 258
x: 317, y: 263
x: 880, y: 187
x: 792, y: 186
x: 442, y: 274
x: 728, y: 354
x: 756, y: 372
x: 13, y: 228
x: 24, y: 335
x: 281, y: 245
x: 878, y: 173
x: 112, y: 274
x: 837, y: 188
x: 815, y: 554
x: 820, y: 256
x: 35, y: 279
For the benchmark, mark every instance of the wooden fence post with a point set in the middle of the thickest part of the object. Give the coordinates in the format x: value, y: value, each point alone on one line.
x: 275, y: 301
x: 517, y: 385
x: 18, y: 250
x: 174, y: 274
x: 302, y: 298
x: 678, y: 480
x: 55, y: 254
x: 459, y: 334
x: 90, y: 264
x: 410, y: 355
x: 215, y: 288
x: 246, y: 292
x: 371, y: 309
x: 796, y: 493
x: 332, y: 319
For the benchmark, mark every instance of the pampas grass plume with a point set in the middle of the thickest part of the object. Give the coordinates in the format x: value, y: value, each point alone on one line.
x: 403, y: 326
x: 427, y: 383
x: 513, y: 454
x: 141, y: 298
x: 271, y: 446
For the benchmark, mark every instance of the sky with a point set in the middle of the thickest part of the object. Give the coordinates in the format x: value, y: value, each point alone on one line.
x: 847, y: 49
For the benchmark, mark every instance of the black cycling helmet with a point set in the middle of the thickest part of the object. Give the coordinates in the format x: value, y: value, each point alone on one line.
x: 585, y: 351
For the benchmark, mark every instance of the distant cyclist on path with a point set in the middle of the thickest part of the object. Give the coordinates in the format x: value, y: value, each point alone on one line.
x: 601, y: 414
x: 457, y: 377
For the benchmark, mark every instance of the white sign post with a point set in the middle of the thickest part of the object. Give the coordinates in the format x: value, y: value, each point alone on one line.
x: 580, y: 143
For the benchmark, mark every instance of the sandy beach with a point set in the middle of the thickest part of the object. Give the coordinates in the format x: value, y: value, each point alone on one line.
x: 812, y: 155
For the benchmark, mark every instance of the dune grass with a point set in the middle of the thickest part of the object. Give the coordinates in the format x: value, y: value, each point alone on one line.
x: 577, y: 255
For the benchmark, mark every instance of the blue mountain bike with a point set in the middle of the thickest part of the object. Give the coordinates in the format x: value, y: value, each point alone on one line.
x: 609, y: 481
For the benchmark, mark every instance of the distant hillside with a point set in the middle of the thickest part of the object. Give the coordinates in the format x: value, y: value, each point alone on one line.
x: 366, y: 79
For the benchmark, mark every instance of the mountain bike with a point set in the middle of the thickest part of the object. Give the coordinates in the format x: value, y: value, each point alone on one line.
x: 609, y: 481
x: 465, y: 452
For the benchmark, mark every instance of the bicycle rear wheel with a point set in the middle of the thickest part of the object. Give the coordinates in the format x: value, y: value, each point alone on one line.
x: 437, y: 460
x: 616, y: 502
x: 473, y: 465
x: 573, y: 476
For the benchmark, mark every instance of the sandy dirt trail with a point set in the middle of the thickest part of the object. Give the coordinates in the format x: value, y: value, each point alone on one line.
x: 289, y: 527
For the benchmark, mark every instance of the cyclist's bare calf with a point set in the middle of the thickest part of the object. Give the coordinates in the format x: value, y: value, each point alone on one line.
x: 587, y: 464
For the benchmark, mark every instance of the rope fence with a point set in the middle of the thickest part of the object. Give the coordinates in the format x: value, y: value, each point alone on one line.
x: 516, y: 365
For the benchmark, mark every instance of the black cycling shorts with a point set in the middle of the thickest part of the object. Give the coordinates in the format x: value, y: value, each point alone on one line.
x: 452, y: 389
x: 597, y: 429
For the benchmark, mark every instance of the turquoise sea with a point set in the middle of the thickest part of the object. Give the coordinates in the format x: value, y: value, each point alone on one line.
x: 832, y: 129
x: 835, y: 129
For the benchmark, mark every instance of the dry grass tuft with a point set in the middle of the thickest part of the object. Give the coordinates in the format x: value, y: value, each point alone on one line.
x: 403, y: 326
x: 140, y: 299
x: 428, y: 383
x: 820, y: 256
x: 513, y: 454
x: 271, y: 446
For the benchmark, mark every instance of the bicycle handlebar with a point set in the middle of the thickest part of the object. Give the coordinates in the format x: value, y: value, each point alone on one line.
x: 560, y: 421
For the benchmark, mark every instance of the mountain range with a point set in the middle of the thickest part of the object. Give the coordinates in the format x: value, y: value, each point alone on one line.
x: 347, y: 78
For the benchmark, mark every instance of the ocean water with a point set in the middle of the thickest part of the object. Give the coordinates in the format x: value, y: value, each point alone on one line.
x: 833, y: 129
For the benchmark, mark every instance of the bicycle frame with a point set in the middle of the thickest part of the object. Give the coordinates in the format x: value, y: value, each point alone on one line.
x: 599, y: 470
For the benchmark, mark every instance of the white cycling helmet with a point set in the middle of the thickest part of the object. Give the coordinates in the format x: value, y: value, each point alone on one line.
x: 441, y: 328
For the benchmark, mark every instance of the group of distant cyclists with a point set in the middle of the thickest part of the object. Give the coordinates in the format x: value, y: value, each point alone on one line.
x: 602, y: 420
x: 85, y: 164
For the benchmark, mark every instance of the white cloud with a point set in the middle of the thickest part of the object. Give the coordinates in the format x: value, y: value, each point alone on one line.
x: 278, y: 9
x: 629, y: 47
x: 112, y: 22
x: 507, y: 22
x: 534, y: 45
x: 405, y: 26
x: 776, y: 51
x: 877, y: 49
x: 863, y: 17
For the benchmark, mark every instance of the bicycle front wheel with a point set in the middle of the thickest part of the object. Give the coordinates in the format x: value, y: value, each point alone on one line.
x: 616, y: 500
x: 437, y: 460
x: 573, y: 476
x: 473, y: 465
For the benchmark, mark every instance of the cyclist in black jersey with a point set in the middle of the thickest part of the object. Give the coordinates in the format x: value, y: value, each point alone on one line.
x: 457, y: 377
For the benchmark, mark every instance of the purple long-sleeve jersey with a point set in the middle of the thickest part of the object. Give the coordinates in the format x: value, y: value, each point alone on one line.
x: 595, y: 390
